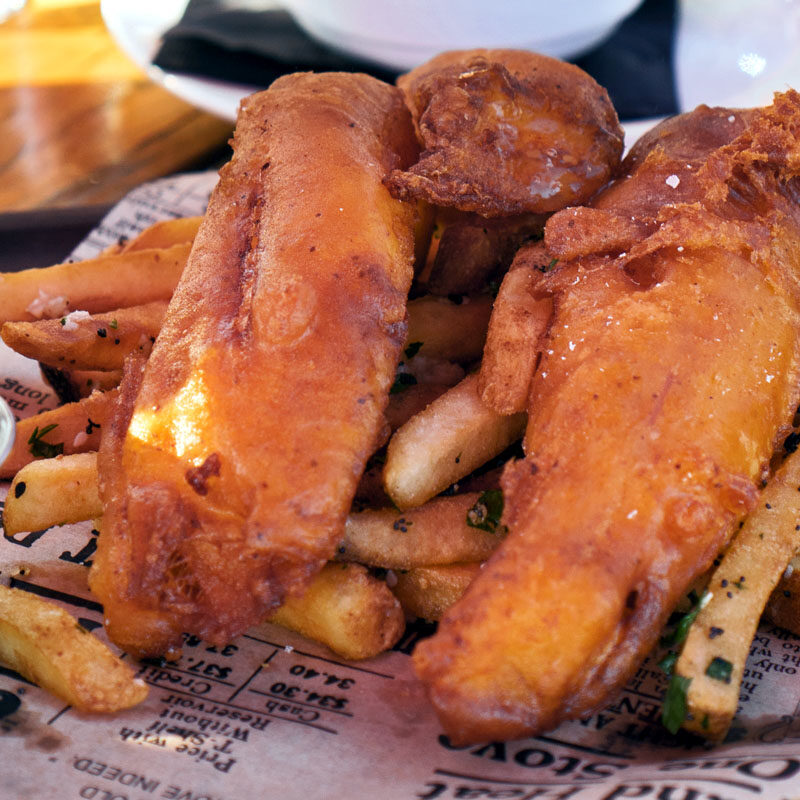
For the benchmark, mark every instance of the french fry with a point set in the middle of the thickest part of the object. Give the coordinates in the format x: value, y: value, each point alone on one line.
x: 165, y: 233
x: 519, y: 318
x: 428, y: 592
x: 88, y: 342
x: 413, y: 399
x: 453, y: 436
x: 75, y: 384
x: 53, y: 491
x: 713, y: 658
x: 65, y: 489
x: 95, y: 285
x: 68, y: 429
x: 443, y: 328
x: 346, y: 609
x: 435, y: 533
x: 449, y: 330
x: 47, y: 646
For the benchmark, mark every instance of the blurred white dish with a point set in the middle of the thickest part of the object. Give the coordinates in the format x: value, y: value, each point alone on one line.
x: 404, y: 33
x: 7, y: 430
x: 728, y: 52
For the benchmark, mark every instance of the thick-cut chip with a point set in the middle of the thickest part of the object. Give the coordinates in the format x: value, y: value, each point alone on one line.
x: 410, y: 400
x: 47, y: 646
x: 264, y: 393
x: 54, y: 491
x: 75, y: 384
x: 166, y: 233
x: 65, y: 489
x: 508, y: 132
x: 72, y: 428
x: 519, y: 319
x: 428, y: 592
x: 84, y: 341
x: 436, y: 533
x: 345, y: 608
x: 454, y: 329
x: 454, y: 435
x: 712, y: 662
x: 97, y: 284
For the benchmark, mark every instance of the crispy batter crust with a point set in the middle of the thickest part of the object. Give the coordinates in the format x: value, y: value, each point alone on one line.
x: 507, y: 132
x: 670, y: 371
x: 228, y: 471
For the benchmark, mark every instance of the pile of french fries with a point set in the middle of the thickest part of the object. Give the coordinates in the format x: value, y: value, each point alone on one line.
x: 405, y: 552
x: 427, y: 512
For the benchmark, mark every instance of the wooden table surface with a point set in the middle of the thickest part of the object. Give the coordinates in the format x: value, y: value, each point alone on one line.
x: 81, y: 124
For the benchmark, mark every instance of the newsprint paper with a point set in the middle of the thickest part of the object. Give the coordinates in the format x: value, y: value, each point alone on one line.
x: 275, y: 716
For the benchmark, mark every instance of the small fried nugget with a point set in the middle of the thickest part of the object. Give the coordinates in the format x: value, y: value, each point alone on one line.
x: 507, y: 132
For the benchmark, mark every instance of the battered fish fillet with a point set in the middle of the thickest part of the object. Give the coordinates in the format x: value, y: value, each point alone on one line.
x: 234, y: 455
x: 669, y: 374
x: 507, y: 132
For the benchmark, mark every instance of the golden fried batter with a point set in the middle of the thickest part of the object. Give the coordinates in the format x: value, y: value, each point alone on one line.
x: 670, y: 371
x: 234, y: 456
x: 507, y: 132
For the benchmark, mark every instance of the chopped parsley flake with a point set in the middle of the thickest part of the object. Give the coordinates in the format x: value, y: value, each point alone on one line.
x: 681, y: 630
x: 667, y: 664
x: 113, y: 324
x: 720, y: 669
x: 549, y: 267
x: 41, y: 449
x: 486, y: 513
x: 674, y: 711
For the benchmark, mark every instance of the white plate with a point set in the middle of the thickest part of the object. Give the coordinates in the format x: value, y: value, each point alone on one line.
x: 138, y: 28
x: 729, y: 52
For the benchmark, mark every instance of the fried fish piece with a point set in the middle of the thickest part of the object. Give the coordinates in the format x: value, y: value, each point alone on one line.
x: 507, y: 132
x: 669, y: 373
x: 234, y: 454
